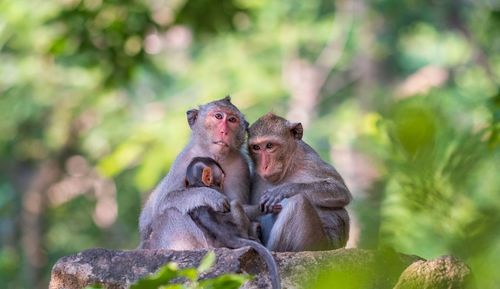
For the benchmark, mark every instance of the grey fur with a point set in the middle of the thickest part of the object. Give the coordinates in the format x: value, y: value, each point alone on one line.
x: 231, y: 159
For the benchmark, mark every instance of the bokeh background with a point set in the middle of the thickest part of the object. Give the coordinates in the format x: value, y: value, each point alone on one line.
x: 402, y: 96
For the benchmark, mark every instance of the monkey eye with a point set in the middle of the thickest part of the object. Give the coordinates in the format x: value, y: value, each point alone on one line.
x: 218, y: 115
x: 256, y: 147
x: 269, y: 145
x: 232, y: 119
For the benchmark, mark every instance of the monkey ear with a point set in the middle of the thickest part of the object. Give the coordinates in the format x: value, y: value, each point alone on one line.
x: 206, y: 176
x: 223, y: 177
x: 227, y: 98
x: 192, y: 115
x: 297, y: 130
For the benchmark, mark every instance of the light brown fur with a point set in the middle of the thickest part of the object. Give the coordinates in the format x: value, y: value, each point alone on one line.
x: 301, y: 196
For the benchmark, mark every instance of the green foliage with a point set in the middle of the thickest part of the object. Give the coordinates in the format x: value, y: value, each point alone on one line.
x: 108, y: 82
x: 429, y: 176
x: 105, y: 34
x: 439, y: 188
x: 333, y: 275
x: 167, y: 273
x: 205, y: 17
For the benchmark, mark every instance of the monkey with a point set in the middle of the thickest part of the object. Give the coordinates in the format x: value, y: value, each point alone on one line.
x: 204, y: 180
x: 205, y: 227
x: 218, y: 131
x: 298, y: 198
x: 172, y: 228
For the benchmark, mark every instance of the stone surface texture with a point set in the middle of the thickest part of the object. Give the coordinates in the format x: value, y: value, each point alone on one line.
x: 120, y: 268
x: 445, y: 272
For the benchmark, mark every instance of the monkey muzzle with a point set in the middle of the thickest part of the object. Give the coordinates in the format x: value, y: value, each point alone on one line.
x: 220, y: 143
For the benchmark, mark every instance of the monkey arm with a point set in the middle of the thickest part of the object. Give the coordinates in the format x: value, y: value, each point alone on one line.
x: 186, y: 200
x: 253, y: 211
x: 328, y: 193
x: 174, y: 180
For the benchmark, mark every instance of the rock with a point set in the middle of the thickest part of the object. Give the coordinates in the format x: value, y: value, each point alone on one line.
x: 445, y: 272
x: 342, y: 268
x: 119, y: 269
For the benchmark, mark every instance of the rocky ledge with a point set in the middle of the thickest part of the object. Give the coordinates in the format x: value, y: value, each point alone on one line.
x: 343, y: 268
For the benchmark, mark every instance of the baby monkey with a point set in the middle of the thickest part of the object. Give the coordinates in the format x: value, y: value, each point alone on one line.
x: 231, y: 229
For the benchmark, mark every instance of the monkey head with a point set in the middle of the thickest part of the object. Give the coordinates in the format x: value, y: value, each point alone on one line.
x: 204, y: 172
x: 272, y: 142
x: 218, y: 126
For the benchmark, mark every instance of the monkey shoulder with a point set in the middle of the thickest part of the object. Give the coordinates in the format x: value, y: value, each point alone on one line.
x: 174, y: 180
x: 313, y: 166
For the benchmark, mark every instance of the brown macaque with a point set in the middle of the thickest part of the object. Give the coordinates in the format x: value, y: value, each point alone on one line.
x: 298, y: 198
x: 217, y: 131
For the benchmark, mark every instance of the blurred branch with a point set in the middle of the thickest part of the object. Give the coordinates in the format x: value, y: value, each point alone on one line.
x: 422, y: 81
x: 33, y: 209
x: 306, y: 79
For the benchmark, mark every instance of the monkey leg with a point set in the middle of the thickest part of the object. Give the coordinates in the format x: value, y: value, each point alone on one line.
x: 240, y: 218
x: 247, y: 228
x: 297, y: 227
x: 336, y: 224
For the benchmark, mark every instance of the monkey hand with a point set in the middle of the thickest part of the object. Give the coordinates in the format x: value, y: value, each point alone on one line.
x: 270, y: 200
x: 199, y: 197
x: 220, y: 204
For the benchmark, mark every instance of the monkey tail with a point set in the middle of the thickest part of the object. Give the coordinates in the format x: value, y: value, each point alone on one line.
x: 274, y: 273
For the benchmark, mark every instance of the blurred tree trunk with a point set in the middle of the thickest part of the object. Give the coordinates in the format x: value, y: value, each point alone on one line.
x: 306, y: 81
x: 368, y: 188
x: 33, y: 183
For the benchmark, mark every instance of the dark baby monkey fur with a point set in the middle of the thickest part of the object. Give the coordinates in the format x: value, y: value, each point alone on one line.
x: 303, y: 196
x: 204, y: 172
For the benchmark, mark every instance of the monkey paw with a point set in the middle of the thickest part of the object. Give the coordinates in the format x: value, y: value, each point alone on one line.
x: 220, y: 205
x: 270, y: 201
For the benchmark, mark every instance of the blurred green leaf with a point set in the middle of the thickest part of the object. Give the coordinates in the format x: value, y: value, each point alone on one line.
x: 190, y: 274
x: 227, y: 281
x: 120, y: 159
x: 414, y: 127
x: 162, y: 277
x: 170, y: 271
x: 207, y: 262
